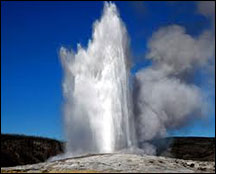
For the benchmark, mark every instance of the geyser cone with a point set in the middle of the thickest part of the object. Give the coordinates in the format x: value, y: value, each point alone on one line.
x: 98, y: 107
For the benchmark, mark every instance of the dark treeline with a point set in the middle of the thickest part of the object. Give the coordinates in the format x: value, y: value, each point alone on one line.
x: 20, y: 149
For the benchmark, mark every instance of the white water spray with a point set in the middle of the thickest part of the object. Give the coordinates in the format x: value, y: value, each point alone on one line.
x: 98, y: 107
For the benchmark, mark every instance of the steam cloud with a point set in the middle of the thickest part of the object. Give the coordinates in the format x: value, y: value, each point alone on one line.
x: 166, y: 98
x: 206, y: 8
x: 98, y: 105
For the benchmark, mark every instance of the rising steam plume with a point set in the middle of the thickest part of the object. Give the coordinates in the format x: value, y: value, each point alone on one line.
x: 167, y: 96
x: 103, y: 112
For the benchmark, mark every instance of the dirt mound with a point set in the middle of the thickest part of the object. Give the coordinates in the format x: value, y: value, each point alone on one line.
x: 117, y: 163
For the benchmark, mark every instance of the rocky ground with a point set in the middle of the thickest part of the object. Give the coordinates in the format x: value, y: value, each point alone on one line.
x: 118, y: 163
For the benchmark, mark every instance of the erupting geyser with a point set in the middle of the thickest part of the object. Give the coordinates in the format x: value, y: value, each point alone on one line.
x: 99, y: 96
x: 98, y: 108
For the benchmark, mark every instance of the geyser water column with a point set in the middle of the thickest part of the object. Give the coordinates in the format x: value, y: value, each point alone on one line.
x: 98, y: 103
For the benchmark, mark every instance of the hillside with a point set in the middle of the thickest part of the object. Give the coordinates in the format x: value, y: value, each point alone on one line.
x: 188, y: 148
x: 20, y: 149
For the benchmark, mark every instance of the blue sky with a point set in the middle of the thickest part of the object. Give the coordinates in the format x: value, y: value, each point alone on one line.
x: 31, y: 73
